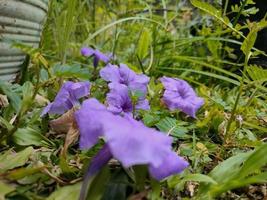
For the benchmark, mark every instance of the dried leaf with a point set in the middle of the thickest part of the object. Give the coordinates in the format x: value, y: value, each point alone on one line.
x: 42, y: 101
x: 71, y: 137
x: 3, y: 101
x: 63, y: 123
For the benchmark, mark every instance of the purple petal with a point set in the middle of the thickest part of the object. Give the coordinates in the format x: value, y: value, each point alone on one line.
x: 110, y: 73
x: 134, y: 144
x: 80, y: 89
x: 127, y: 75
x: 100, y: 160
x: 103, y: 57
x: 88, y: 119
x: 85, y: 51
x: 118, y: 99
x: 129, y: 141
x: 142, y: 104
x: 172, y: 164
x: 136, y: 82
x: 180, y: 95
x: 67, y: 97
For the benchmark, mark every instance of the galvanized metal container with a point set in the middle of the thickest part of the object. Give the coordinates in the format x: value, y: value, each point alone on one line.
x: 22, y: 21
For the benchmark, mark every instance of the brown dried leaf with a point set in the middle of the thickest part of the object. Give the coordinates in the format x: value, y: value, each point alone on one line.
x: 3, y: 101
x: 42, y: 101
x: 71, y: 137
x: 139, y: 196
x: 63, y: 123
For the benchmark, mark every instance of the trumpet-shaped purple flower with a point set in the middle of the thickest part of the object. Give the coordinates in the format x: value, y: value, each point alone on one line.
x: 119, y: 100
x: 127, y: 140
x: 124, y: 75
x: 67, y: 97
x: 180, y: 95
x: 98, y: 56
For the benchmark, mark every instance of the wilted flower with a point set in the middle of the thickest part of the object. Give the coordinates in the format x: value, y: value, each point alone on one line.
x: 126, y: 76
x: 180, y: 95
x: 119, y: 100
x: 127, y: 140
x: 67, y: 97
x: 98, y: 56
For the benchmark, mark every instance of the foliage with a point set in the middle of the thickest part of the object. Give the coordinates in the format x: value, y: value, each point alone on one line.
x: 193, y: 41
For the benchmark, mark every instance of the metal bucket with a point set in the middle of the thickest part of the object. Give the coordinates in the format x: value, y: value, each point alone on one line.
x: 21, y: 21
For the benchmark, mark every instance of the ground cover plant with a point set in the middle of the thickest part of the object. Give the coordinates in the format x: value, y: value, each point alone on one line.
x: 138, y: 100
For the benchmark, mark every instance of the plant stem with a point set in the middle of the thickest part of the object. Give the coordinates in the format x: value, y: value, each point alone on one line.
x: 225, y: 7
x: 239, y: 12
x: 237, y: 99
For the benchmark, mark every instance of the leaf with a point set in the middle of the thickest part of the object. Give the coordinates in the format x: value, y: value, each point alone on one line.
x: 67, y: 71
x: 208, y: 8
x: 199, y: 178
x: 10, y: 160
x: 227, y: 169
x: 27, y: 93
x: 66, y: 193
x: 3, y: 101
x: 116, y: 188
x: 14, y: 98
x: 97, y: 187
x: 23, y: 172
x: 254, y: 162
x: 143, y: 44
x: 249, y: 41
x: 5, y: 189
x: 29, y: 136
x: 256, y: 73
x: 172, y: 127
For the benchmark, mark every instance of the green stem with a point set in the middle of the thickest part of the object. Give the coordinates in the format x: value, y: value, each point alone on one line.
x: 239, y: 12
x: 237, y: 99
x: 225, y: 7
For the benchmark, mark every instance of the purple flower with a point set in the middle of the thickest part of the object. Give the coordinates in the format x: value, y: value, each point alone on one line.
x: 85, y: 51
x: 180, y: 95
x: 119, y: 100
x: 127, y: 140
x: 67, y: 97
x: 124, y: 75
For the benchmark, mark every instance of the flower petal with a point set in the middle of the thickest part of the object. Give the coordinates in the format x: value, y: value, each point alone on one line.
x: 110, y: 73
x: 172, y: 164
x: 85, y: 51
x: 118, y: 99
x: 180, y: 95
x: 88, y: 119
x: 134, y: 144
x: 67, y: 97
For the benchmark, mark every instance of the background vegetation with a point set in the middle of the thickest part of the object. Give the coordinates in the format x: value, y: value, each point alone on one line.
x: 192, y: 40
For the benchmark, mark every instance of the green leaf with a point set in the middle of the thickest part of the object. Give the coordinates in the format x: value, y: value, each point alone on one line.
x: 29, y: 136
x: 27, y: 94
x: 256, y: 73
x: 68, y: 71
x: 143, y: 44
x: 254, y: 162
x: 23, y: 172
x: 249, y: 41
x: 199, y: 178
x: 208, y: 8
x: 98, y: 185
x: 228, y: 169
x: 66, y: 193
x: 14, y: 98
x: 5, y: 189
x: 10, y: 160
x: 117, y: 187
x: 172, y: 127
